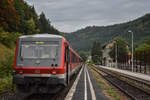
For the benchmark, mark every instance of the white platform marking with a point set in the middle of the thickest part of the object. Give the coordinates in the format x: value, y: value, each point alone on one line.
x: 73, y: 88
x: 85, y: 85
x: 91, y: 86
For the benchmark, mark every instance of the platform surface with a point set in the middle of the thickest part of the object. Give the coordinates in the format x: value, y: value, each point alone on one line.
x: 87, y: 87
x: 133, y: 74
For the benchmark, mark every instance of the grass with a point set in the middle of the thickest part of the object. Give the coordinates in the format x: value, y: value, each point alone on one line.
x: 5, y: 83
x: 4, y: 51
x: 113, y: 94
x: 105, y: 86
x: 6, y: 67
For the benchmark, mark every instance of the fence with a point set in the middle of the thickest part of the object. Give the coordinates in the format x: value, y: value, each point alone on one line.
x: 141, y: 63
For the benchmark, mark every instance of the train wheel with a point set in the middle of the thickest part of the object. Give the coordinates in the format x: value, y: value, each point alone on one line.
x: 22, y: 92
x: 22, y: 88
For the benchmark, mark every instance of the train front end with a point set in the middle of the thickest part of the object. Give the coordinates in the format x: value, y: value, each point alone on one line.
x: 38, y: 63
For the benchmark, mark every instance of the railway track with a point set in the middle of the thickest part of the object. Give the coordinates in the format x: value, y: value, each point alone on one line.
x: 133, y: 92
x: 4, y: 94
x: 59, y: 96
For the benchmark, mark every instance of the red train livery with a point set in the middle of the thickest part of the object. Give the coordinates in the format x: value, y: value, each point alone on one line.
x: 44, y: 63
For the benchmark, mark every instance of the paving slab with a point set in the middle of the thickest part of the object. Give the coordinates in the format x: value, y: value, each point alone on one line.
x: 80, y: 89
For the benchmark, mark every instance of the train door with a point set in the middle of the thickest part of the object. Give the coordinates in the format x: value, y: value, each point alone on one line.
x: 67, y: 61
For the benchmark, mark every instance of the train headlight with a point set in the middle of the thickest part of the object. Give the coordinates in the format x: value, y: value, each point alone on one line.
x: 20, y: 72
x: 54, y: 72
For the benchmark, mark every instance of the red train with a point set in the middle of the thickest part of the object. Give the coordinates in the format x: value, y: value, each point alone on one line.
x: 44, y: 63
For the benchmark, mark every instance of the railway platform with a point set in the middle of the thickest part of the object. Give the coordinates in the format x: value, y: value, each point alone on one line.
x: 85, y: 87
x: 137, y: 76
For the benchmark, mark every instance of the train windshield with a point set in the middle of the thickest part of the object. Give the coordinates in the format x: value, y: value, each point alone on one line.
x: 39, y: 51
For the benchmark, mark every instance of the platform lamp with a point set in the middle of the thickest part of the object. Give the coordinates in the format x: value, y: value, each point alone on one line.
x: 116, y: 57
x: 132, y: 48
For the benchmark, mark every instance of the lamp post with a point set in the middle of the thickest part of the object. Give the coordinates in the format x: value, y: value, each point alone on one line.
x: 116, y: 54
x: 132, y: 48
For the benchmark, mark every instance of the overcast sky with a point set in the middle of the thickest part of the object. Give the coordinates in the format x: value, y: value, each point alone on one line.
x: 71, y: 15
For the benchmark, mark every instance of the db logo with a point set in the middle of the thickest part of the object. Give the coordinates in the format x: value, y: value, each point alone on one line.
x: 37, y: 71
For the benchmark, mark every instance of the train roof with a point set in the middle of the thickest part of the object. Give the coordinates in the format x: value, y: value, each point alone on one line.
x: 43, y: 35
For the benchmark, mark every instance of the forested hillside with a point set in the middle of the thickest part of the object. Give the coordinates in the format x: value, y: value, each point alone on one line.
x: 18, y: 16
x: 83, y: 39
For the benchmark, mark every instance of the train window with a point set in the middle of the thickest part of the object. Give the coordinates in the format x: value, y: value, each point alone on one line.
x: 28, y: 51
x: 73, y: 58
x: 39, y: 51
x: 48, y: 51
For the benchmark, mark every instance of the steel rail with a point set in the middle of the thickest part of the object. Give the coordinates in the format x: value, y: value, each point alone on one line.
x: 128, y: 89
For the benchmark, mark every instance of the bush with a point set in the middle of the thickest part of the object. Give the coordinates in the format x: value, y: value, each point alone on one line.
x: 8, y: 39
x: 5, y: 83
x: 6, y: 66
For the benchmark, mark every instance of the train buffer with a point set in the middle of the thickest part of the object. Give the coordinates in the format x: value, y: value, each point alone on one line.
x: 85, y: 87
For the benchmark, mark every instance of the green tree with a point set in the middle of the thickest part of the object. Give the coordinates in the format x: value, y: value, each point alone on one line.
x: 147, y: 41
x: 30, y: 27
x: 45, y: 26
x: 143, y: 49
x: 96, y: 52
x: 83, y: 55
x: 26, y: 13
x: 122, y: 49
x: 9, y: 18
x: 8, y: 39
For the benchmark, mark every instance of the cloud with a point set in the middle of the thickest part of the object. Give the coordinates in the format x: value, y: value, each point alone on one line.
x: 70, y: 15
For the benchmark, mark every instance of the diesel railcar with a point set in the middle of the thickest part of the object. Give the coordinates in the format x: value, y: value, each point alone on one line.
x: 44, y: 63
